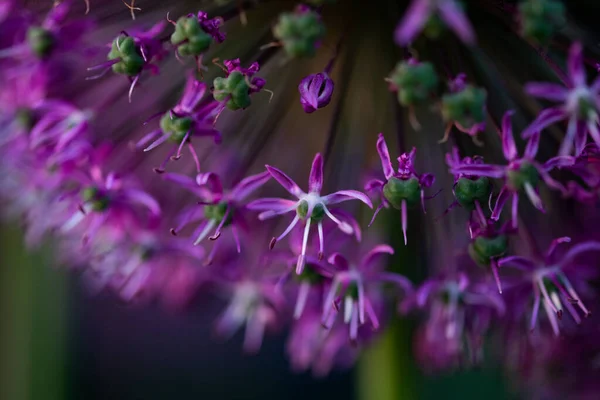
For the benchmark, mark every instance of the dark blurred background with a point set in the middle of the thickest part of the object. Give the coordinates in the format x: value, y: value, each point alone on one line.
x: 57, y: 342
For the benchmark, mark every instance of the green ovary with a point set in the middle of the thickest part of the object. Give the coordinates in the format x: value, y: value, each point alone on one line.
x: 318, y: 212
x: 175, y: 127
x: 483, y: 249
x: 216, y: 212
x: 125, y: 50
x: 397, y: 190
x: 466, y: 107
x: 467, y: 191
x: 41, y: 41
x: 234, y: 89
x: 94, y: 197
x: 415, y: 82
x: 189, y: 37
x: 526, y: 174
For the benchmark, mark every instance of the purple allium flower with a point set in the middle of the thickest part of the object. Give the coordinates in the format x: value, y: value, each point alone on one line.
x: 133, y: 53
x: 580, y: 105
x: 459, y: 313
x: 358, y: 286
x: 402, y: 189
x: 194, y: 34
x: 315, y: 91
x: 310, y: 207
x: 235, y: 89
x: 550, y: 284
x: 189, y: 118
x: 420, y: 13
x: 587, y: 168
x: 217, y: 207
x: 521, y: 173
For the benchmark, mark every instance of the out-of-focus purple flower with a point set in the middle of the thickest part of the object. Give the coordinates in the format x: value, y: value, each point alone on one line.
x: 310, y: 207
x: 459, y: 313
x: 133, y: 53
x: 420, y: 13
x: 580, y: 105
x: 401, y: 189
x: 189, y: 118
x: 358, y: 285
x: 217, y: 207
x: 586, y: 167
x: 521, y: 173
x: 549, y: 282
x: 465, y: 108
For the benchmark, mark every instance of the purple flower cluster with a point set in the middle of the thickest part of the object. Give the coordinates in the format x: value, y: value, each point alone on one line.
x: 146, y: 228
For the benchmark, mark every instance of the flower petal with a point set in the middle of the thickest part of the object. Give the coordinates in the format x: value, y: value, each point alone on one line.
x: 315, y: 179
x: 532, y: 146
x: 491, y: 171
x: 518, y: 262
x: 375, y: 252
x: 271, y: 204
x: 384, y: 155
x: 548, y: 91
x: 577, y: 250
x: 211, y: 180
x: 575, y: 65
x: 412, y: 22
x: 345, y: 195
x: 456, y: 19
x: 508, y: 141
x: 285, y: 181
x: 248, y: 185
x: 545, y: 118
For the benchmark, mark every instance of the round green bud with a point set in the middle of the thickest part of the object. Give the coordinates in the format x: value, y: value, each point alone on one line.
x: 526, y: 173
x: 189, y: 37
x: 466, y: 107
x: 415, y: 82
x: 483, y: 249
x: 396, y: 190
x: 216, y: 212
x: 299, y: 33
x: 318, y: 212
x: 176, y: 127
x: 41, y: 41
x: 540, y: 19
x: 131, y: 61
x: 467, y: 191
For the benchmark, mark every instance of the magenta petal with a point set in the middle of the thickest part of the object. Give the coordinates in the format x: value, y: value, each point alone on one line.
x: 545, y: 118
x: 456, y: 19
x: 285, y: 181
x: 548, y: 91
x: 559, y: 162
x: 412, y: 22
x: 508, y: 142
x: 143, y: 198
x: 518, y: 262
x: 338, y: 261
x: 575, y: 65
x: 212, y: 180
x: 384, y: 155
x: 374, y: 184
x: 249, y: 184
x: 500, y: 202
x: 577, y: 250
x: 192, y: 94
x: 315, y: 179
x: 345, y: 195
x: 491, y: 171
x: 532, y: 146
x: 271, y: 204
x: 374, y: 254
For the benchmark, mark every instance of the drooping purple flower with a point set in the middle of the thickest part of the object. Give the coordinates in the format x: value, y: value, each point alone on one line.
x: 580, y: 105
x: 548, y: 278
x: 422, y: 12
x: 521, y: 173
x: 133, y: 53
x: 316, y: 89
x: 189, y: 118
x: 401, y: 189
x: 459, y: 313
x: 356, y: 286
x: 217, y: 207
x: 310, y: 207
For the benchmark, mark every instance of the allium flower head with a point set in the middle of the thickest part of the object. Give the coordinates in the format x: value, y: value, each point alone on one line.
x: 579, y: 105
x: 310, y: 207
x: 430, y: 16
x: 521, y: 173
x: 550, y: 284
x: 401, y: 189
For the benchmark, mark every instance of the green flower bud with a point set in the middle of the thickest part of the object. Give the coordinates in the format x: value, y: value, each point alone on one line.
x: 466, y: 107
x: 234, y: 88
x: 483, y: 249
x: 540, y: 19
x: 131, y: 61
x: 396, y: 190
x: 317, y: 215
x: 189, y: 37
x: 94, y: 197
x: 467, y: 191
x: 416, y: 83
x: 176, y: 127
x: 299, y: 33
x: 41, y: 41
x: 527, y: 173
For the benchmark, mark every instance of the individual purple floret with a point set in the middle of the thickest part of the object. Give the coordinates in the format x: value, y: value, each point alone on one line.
x: 521, y: 173
x: 548, y: 276
x: 188, y: 119
x: 358, y: 285
x: 580, y: 104
x: 426, y: 14
x: 402, y: 189
x: 217, y: 207
x: 133, y: 53
x: 316, y: 89
x: 310, y: 207
x: 460, y: 312
x: 587, y: 168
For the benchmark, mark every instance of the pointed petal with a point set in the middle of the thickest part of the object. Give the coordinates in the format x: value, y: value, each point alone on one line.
x: 532, y: 146
x: 456, y: 19
x: 545, y: 118
x: 559, y: 162
x: 522, y: 263
x: 491, y: 171
x: 372, y: 255
x: 271, y: 204
x: 500, y: 202
x: 345, y: 195
x: 508, y: 142
x: 548, y: 91
x: 412, y: 22
x: 143, y: 198
x: 315, y: 179
x: 212, y: 180
x: 577, y: 250
x: 575, y: 65
x: 339, y: 261
x: 384, y: 155
x: 285, y: 181
x: 248, y: 185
